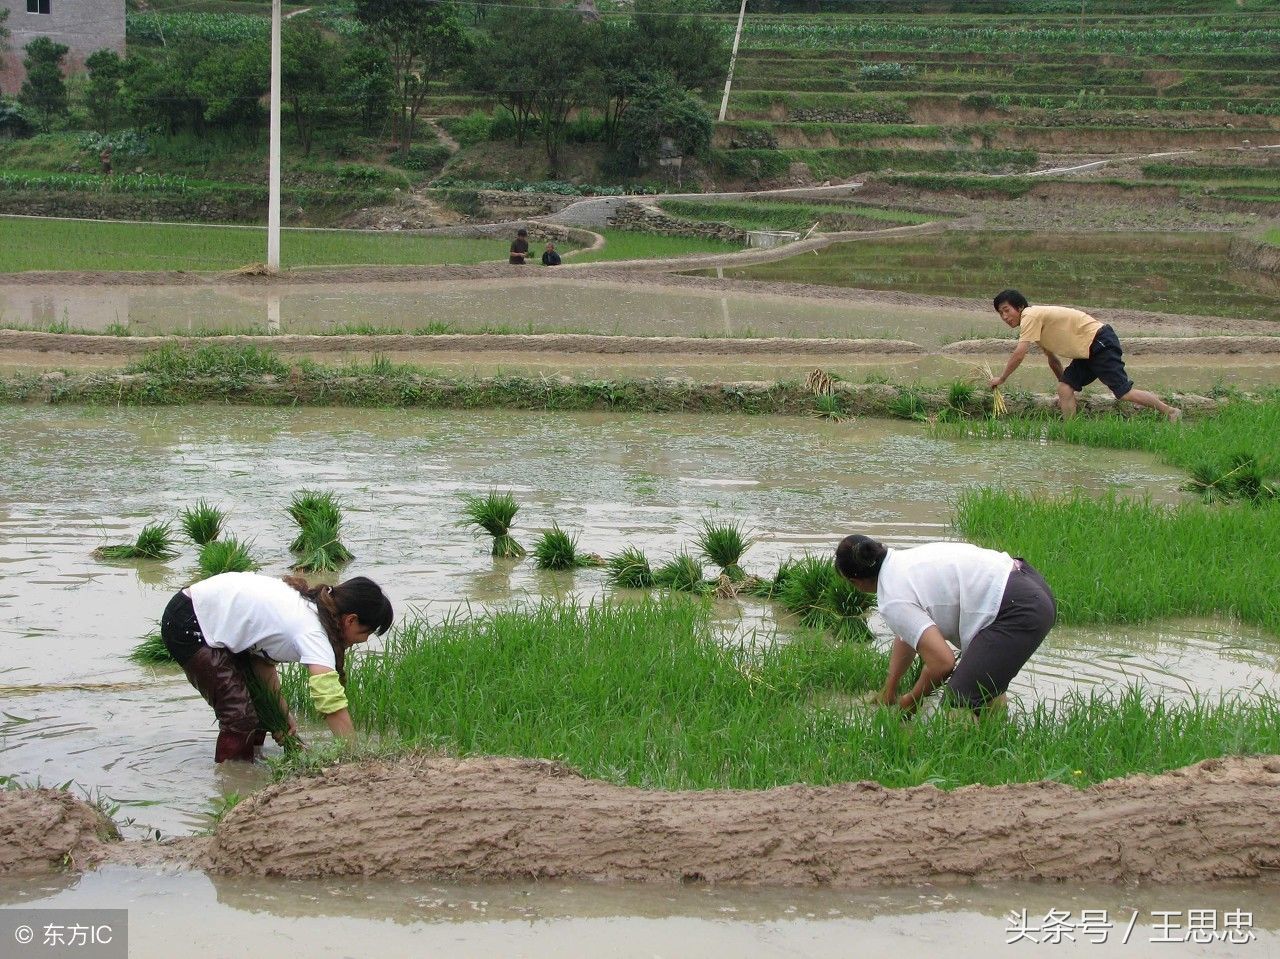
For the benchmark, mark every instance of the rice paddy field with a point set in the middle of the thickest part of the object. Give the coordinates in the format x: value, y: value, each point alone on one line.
x: 1167, y: 273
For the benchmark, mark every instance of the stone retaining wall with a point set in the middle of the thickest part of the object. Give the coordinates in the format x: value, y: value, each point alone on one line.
x: 643, y: 218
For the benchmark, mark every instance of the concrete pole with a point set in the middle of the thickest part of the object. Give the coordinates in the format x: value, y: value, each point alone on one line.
x: 273, y: 188
x: 733, y: 58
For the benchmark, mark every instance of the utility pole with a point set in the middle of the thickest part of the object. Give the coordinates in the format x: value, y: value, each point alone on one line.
x: 733, y: 58
x: 273, y: 177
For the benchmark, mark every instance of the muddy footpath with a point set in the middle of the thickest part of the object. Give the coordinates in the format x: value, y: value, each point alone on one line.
x: 425, y: 817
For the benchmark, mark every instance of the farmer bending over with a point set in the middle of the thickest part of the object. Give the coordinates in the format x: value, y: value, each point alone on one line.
x: 1092, y: 347
x: 223, y: 626
x: 993, y: 608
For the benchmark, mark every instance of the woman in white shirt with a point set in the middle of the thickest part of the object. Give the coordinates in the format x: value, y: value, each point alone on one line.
x: 994, y: 609
x: 221, y: 626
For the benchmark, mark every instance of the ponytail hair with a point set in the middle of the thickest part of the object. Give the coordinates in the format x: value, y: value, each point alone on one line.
x: 860, y: 557
x: 359, y: 595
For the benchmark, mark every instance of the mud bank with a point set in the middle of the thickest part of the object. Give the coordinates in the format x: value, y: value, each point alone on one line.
x: 411, y: 387
x: 45, y: 830
x: 517, y: 819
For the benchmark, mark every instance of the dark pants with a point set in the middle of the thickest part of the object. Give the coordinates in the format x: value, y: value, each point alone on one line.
x: 996, y: 654
x: 218, y: 675
x: 1105, y: 362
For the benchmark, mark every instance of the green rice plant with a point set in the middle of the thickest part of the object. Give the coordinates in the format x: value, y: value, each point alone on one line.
x: 1239, y: 476
x: 830, y: 407
x: 494, y: 513
x: 1194, y: 560
x: 907, y: 405
x: 154, y: 542
x: 151, y: 651
x: 823, y: 599
x: 960, y: 395
x: 769, y: 588
x: 273, y: 715
x: 557, y: 549
x: 628, y: 570
x: 722, y: 544
x: 318, y: 544
x: 682, y: 573
x: 202, y: 523
x: 651, y: 694
x: 226, y: 556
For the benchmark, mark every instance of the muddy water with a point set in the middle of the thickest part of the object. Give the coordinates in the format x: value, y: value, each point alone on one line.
x: 76, y: 708
x: 219, y: 917
x: 516, y: 306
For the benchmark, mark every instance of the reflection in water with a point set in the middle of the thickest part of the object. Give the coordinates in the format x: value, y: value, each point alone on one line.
x: 561, y: 920
x: 79, y: 478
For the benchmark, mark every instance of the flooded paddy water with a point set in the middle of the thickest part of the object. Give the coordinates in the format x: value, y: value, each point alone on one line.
x: 75, y: 708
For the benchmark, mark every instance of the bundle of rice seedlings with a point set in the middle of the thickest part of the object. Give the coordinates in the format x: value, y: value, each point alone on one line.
x: 556, y: 549
x: 494, y: 513
x: 830, y: 407
x: 1240, y: 477
x: 998, y: 406
x: 318, y: 543
x: 151, y: 651
x: 907, y: 405
x: 272, y: 716
x: 823, y: 599
x: 819, y: 382
x: 226, y: 556
x: 723, y: 544
x: 629, y: 570
x: 959, y: 395
x: 202, y: 523
x: 683, y: 572
x: 769, y: 588
x: 154, y: 542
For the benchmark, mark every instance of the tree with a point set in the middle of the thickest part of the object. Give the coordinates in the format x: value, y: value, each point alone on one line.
x: 231, y: 82
x: 366, y: 85
x: 664, y: 110
x: 104, y: 96
x: 44, y: 91
x: 309, y: 64
x: 422, y: 39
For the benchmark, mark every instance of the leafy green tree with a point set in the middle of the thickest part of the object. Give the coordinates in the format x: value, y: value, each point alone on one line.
x: 422, y: 39
x: 231, y: 82
x: 44, y: 91
x: 309, y: 72
x: 366, y: 86
x: 104, y: 95
x: 663, y: 110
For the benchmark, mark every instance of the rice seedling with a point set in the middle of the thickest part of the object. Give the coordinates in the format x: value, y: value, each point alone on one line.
x: 998, y: 406
x: 273, y: 715
x: 830, y: 407
x: 557, y: 549
x: 959, y: 395
x: 151, y: 651
x: 907, y: 405
x: 823, y: 599
x: 202, y: 523
x: 722, y: 544
x: 154, y: 542
x: 494, y: 513
x: 650, y: 694
x: 683, y: 573
x: 226, y: 556
x: 629, y: 570
x: 819, y: 382
x: 318, y: 544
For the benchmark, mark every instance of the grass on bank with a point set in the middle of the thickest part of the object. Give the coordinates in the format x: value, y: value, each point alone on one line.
x: 647, y: 694
x: 633, y: 245
x: 751, y: 215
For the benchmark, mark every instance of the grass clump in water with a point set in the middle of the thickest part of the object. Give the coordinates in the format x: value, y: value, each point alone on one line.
x: 202, y: 523
x: 151, y: 651
x: 823, y: 599
x: 494, y: 513
x: 318, y: 544
x: 226, y: 556
x: 830, y: 407
x: 154, y: 542
x: 628, y: 570
x: 557, y: 549
x: 648, y: 694
x: 682, y: 573
x: 216, y: 361
x: 723, y: 544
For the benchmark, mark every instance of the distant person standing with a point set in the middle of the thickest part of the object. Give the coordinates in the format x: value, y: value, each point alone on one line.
x: 105, y: 159
x: 1092, y: 347
x: 549, y: 256
x: 519, y: 247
